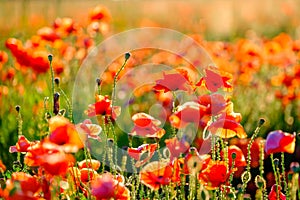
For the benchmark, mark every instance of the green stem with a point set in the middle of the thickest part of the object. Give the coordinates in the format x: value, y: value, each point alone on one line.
x: 286, y: 188
x: 275, y: 174
x: 115, y: 82
x: 52, y: 76
x: 248, y: 167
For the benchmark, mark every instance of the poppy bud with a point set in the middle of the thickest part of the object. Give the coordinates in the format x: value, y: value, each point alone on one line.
x: 261, y: 122
x: 276, y: 161
x: 18, y: 108
x: 127, y: 55
x: 98, y: 81
x: 233, y: 155
x: 56, y: 103
x: 295, y: 167
x: 50, y: 57
x: 56, y: 80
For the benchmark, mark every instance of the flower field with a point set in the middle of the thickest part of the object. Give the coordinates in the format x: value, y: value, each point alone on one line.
x: 196, y: 100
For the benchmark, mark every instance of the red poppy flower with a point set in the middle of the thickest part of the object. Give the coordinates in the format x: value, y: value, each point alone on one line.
x: 22, y: 145
x: 176, y: 147
x: 63, y: 132
x: 21, y: 186
x: 255, y: 148
x: 87, y: 174
x: 156, y: 174
x: 50, y: 157
x: 273, y: 195
x: 103, y: 107
x: 100, y: 13
x: 214, y: 175
x: 142, y: 154
x: 173, y: 82
x: 37, y: 60
x: 189, y: 112
x: 146, y: 126
x: 193, y: 162
x: 3, y: 58
x: 214, y: 103
x: 213, y: 81
x: 239, y: 160
x: 64, y: 26
x: 89, y: 163
x: 47, y: 33
x: 279, y: 141
x: 227, y: 128
x: 106, y: 187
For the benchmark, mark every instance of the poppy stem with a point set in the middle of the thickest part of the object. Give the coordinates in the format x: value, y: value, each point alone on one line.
x: 69, y: 104
x: 286, y: 188
x: 248, y: 167
x: 275, y: 174
x: 50, y: 58
x: 20, y: 126
x: 182, y: 185
x: 127, y: 56
x: 261, y: 167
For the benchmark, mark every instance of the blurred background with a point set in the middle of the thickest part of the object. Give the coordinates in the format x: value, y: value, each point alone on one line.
x: 217, y: 19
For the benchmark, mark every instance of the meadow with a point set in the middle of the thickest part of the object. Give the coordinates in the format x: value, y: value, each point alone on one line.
x: 149, y: 99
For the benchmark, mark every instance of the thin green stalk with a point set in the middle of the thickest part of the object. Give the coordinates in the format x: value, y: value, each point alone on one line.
x: 286, y: 188
x: 261, y: 167
x: 248, y: 167
x: 275, y: 174
x: 127, y: 56
x: 50, y: 57
x: 20, y: 126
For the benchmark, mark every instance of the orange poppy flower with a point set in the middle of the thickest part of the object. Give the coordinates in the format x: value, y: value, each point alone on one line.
x: 146, y: 126
x: 103, y: 107
x: 214, y: 81
x: 89, y: 163
x: 106, y: 187
x: 156, y: 174
x: 63, y: 132
x: 173, y: 82
x: 214, y: 175
x: 273, y: 195
x: 227, y: 128
x: 142, y: 154
x: 279, y: 141
x: 176, y: 147
x: 214, y: 103
x: 189, y: 112
x: 239, y: 160
x: 22, y: 145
